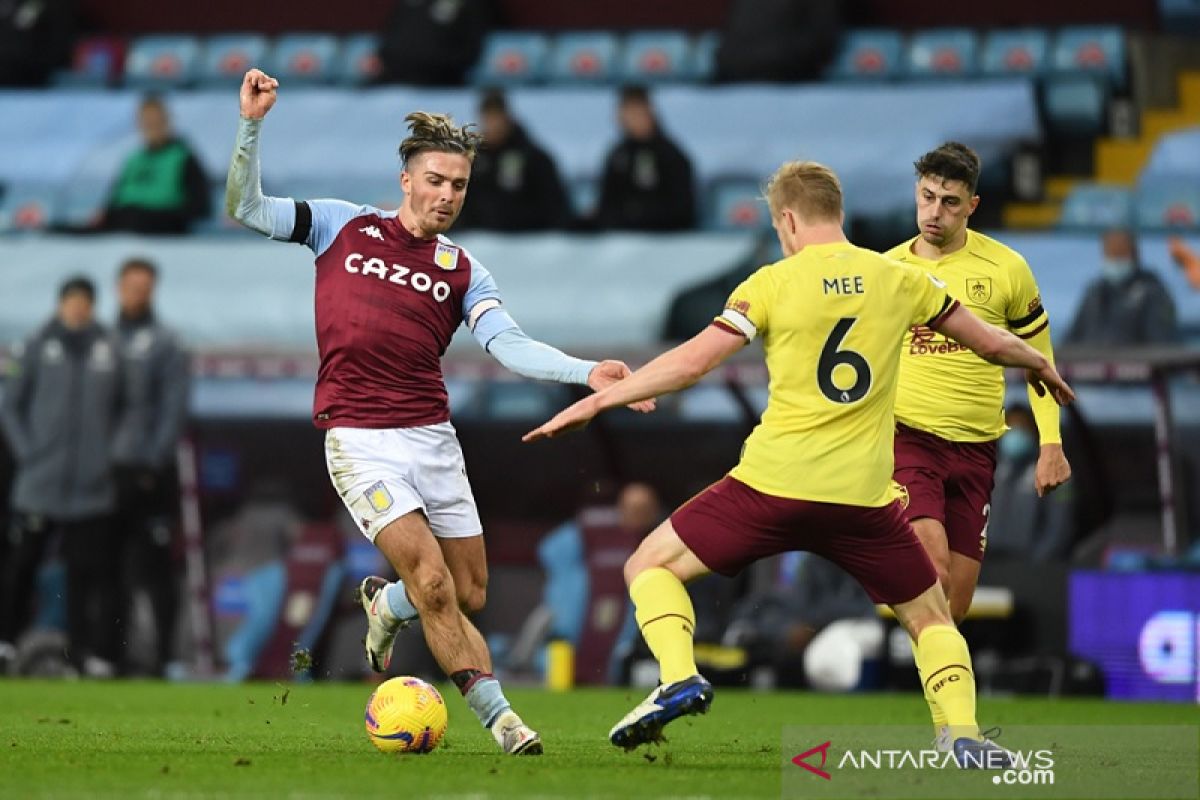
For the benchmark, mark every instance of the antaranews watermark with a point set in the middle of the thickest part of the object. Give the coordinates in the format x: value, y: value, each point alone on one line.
x: 1037, y: 761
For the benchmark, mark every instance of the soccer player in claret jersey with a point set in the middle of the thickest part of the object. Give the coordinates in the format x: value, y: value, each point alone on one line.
x: 390, y: 292
x: 949, y: 401
x: 816, y: 472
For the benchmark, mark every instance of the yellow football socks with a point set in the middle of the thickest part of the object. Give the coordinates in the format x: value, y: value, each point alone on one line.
x: 667, y: 621
x: 935, y: 710
x: 945, y: 666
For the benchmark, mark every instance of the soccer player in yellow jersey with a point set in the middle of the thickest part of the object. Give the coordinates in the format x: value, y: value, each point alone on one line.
x: 949, y: 401
x: 816, y: 472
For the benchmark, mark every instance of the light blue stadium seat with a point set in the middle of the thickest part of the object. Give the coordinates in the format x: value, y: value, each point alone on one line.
x: 307, y: 58
x: 1175, y: 154
x: 868, y: 55
x: 80, y: 202
x: 1091, y: 50
x: 359, y: 61
x: 1180, y: 16
x: 512, y: 57
x: 656, y: 56
x: 585, y: 195
x: 1075, y: 104
x: 1015, y: 52
x: 27, y: 207
x: 948, y: 53
x: 226, y: 58
x: 584, y: 57
x: 704, y: 56
x: 1097, y: 206
x: 1164, y: 203
x: 736, y: 204
x: 381, y: 190
x: 162, y: 62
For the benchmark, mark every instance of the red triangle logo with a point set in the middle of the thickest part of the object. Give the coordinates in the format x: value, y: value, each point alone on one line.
x: 823, y: 749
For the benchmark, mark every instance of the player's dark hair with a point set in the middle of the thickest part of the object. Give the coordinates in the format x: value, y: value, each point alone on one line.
x: 953, y: 161
x: 138, y: 263
x: 78, y: 284
x: 437, y: 133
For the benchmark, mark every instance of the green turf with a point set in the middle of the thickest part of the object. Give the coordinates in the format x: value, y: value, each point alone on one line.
x: 170, y: 740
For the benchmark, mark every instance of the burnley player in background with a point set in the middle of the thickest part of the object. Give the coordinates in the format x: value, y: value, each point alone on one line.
x: 949, y: 401
x: 815, y: 474
x: 390, y: 292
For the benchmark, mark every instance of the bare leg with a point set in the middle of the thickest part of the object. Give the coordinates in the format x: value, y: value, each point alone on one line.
x: 467, y: 560
x: 414, y: 552
x: 964, y: 576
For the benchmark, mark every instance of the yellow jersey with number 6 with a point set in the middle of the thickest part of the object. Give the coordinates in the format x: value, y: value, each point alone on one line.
x: 831, y: 319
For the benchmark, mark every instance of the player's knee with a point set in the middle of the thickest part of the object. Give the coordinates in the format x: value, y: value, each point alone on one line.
x: 432, y: 592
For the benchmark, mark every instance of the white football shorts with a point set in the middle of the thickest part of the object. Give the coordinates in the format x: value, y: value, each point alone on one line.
x: 383, y: 474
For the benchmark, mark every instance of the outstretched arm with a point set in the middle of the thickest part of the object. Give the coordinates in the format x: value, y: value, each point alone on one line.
x: 673, y: 370
x: 1000, y: 347
x: 244, y: 200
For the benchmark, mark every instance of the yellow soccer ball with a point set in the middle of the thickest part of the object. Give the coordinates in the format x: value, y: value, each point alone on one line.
x: 406, y: 715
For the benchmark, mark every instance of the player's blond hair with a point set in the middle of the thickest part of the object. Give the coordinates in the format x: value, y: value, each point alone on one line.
x: 811, y: 190
x: 437, y: 133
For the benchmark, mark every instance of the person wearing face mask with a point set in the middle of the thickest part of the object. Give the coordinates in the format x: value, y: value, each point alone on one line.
x: 1127, y: 305
x: 1021, y: 523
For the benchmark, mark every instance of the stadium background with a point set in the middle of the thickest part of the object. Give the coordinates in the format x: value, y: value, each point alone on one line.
x: 1087, y: 116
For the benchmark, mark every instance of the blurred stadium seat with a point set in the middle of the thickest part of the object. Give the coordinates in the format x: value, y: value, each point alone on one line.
x: 27, y: 207
x: 952, y: 52
x: 704, y: 56
x: 654, y: 56
x: 1014, y: 52
x: 1097, y: 206
x: 1093, y: 50
x: 585, y: 195
x: 95, y: 62
x: 584, y: 57
x: 737, y: 204
x: 359, y: 61
x: 868, y: 54
x: 162, y: 62
x: 1180, y: 16
x: 1175, y: 154
x: 308, y: 58
x: 381, y: 190
x: 513, y: 57
x: 226, y: 58
x: 80, y: 202
x: 1074, y: 104
x: 1164, y: 203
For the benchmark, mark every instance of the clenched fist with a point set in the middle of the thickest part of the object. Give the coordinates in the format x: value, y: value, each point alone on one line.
x: 258, y: 94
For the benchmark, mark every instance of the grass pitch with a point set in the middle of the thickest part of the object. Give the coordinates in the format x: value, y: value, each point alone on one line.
x: 85, y: 739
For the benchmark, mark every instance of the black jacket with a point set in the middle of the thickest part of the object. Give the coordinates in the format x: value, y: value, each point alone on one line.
x: 60, y: 410
x: 647, y: 186
x: 433, y: 42
x: 1137, y: 311
x: 515, y: 187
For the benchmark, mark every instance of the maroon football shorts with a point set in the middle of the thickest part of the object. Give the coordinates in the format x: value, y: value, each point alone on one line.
x: 950, y: 482
x: 730, y: 525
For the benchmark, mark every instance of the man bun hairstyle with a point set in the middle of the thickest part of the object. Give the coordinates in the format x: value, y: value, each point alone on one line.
x: 437, y: 133
x: 953, y: 161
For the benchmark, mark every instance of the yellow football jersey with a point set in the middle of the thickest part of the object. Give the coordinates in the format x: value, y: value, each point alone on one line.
x: 831, y: 318
x: 945, y: 388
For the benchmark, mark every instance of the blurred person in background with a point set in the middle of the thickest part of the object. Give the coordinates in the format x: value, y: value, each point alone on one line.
x: 515, y: 185
x: 161, y: 189
x: 647, y: 183
x: 433, y: 42
x: 1023, y: 525
x: 156, y: 372
x: 1127, y: 305
x: 778, y: 40
x: 61, y: 405
x: 35, y: 39
x: 812, y: 620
